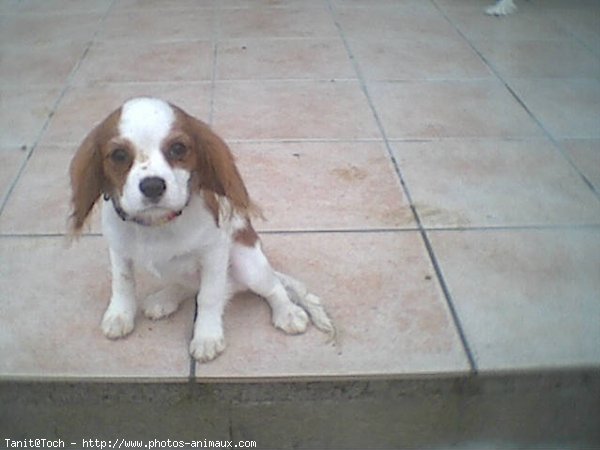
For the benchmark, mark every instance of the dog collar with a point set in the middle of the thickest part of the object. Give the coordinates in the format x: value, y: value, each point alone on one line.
x: 141, y: 221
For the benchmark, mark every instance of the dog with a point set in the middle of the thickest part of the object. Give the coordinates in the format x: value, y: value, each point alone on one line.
x: 501, y: 8
x: 175, y: 204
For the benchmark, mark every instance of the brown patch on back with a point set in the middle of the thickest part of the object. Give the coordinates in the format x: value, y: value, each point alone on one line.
x: 246, y: 236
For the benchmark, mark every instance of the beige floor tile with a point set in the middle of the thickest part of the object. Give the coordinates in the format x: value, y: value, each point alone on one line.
x: 40, y: 29
x: 526, y: 299
x: 568, y: 108
x: 23, y: 113
x: 585, y: 153
x: 276, y: 22
x: 39, y: 64
x: 70, y: 125
x: 398, y: 59
x: 380, y: 290
x: 583, y: 5
x: 283, y: 58
x: 142, y: 25
x: 417, y: 110
x: 10, y: 163
x: 53, y: 301
x: 289, y: 110
x: 543, y: 59
x: 378, y: 3
x: 61, y: 6
x: 581, y: 23
x: 40, y: 202
x: 408, y: 21
x: 350, y: 186
x: 272, y: 4
x: 494, y: 183
x: 528, y: 23
x: 287, y: 97
x: 144, y: 5
x: 147, y: 62
x: 8, y: 6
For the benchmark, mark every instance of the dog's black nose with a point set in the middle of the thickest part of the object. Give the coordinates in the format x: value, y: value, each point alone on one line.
x: 153, y: 187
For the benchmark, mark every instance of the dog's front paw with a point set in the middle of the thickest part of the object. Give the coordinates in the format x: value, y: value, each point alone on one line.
x: 206, y: 347
x: 117, y: 323
x: 292, y: 319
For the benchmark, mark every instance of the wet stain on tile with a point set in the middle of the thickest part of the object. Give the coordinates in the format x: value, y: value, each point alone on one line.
x: 428, y: 212
x: 350, y: 173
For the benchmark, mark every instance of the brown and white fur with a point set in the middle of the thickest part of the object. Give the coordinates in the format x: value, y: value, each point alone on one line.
x: 174, y: 203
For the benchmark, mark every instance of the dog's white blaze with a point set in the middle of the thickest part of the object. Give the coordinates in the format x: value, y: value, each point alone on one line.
x: 146, y: 122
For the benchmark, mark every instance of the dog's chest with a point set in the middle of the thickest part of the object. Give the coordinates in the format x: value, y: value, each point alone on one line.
x: 172, y: 252
x: 182, y: 269
x: 169, y: 257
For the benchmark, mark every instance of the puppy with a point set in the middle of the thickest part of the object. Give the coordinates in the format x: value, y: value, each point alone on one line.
x: 174, y: 204
x: 501, y: 8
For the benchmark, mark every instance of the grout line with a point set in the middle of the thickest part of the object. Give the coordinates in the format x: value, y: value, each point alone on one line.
x: 269, y: 80
x: 422, y: 230
x: 45, y: 235
x: 192, y: 376
x: 302, y: 140
x: 491, y: 228
x: 554, y: 141
x: 215, y: 35
x: 267, y: 232
x: 575, y: 36
x: 552, y: 227
x: 322, y: 140
x: 142, y: 41
x: 62, y: 93
x: 280, y: 80
x: 338, y: 231
x: 265, y: 141
x: 521, y: 102
x: 289, y: 80
x: 211, y: 110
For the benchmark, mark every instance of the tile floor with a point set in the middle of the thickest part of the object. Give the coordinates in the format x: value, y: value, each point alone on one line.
x: 431, y: 172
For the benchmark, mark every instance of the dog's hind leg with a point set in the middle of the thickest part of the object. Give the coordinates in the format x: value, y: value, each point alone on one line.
x: 166, y: 301
x: 251, y: 270
x: 310, y: 302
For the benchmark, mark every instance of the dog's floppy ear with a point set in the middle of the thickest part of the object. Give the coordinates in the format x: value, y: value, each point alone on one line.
x: 216, y: 170
x: 87, y: 173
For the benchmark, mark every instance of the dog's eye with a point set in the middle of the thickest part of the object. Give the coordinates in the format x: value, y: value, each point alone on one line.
x: 119, y: 156
x: 177, y: 151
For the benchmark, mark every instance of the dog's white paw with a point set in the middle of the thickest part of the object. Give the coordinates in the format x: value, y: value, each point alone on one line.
x: 292, y: 319
x: 160, y: 304
x: 206, y: 347
x: 502, y: 8
x: 117, y: 323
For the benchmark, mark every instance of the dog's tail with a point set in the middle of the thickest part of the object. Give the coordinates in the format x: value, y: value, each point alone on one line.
x: 311, y: 303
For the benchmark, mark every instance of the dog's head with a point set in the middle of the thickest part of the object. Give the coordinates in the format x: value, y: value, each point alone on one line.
x: 149, y: 157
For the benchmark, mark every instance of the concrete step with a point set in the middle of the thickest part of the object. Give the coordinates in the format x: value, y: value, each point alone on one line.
x: 518, y: 410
